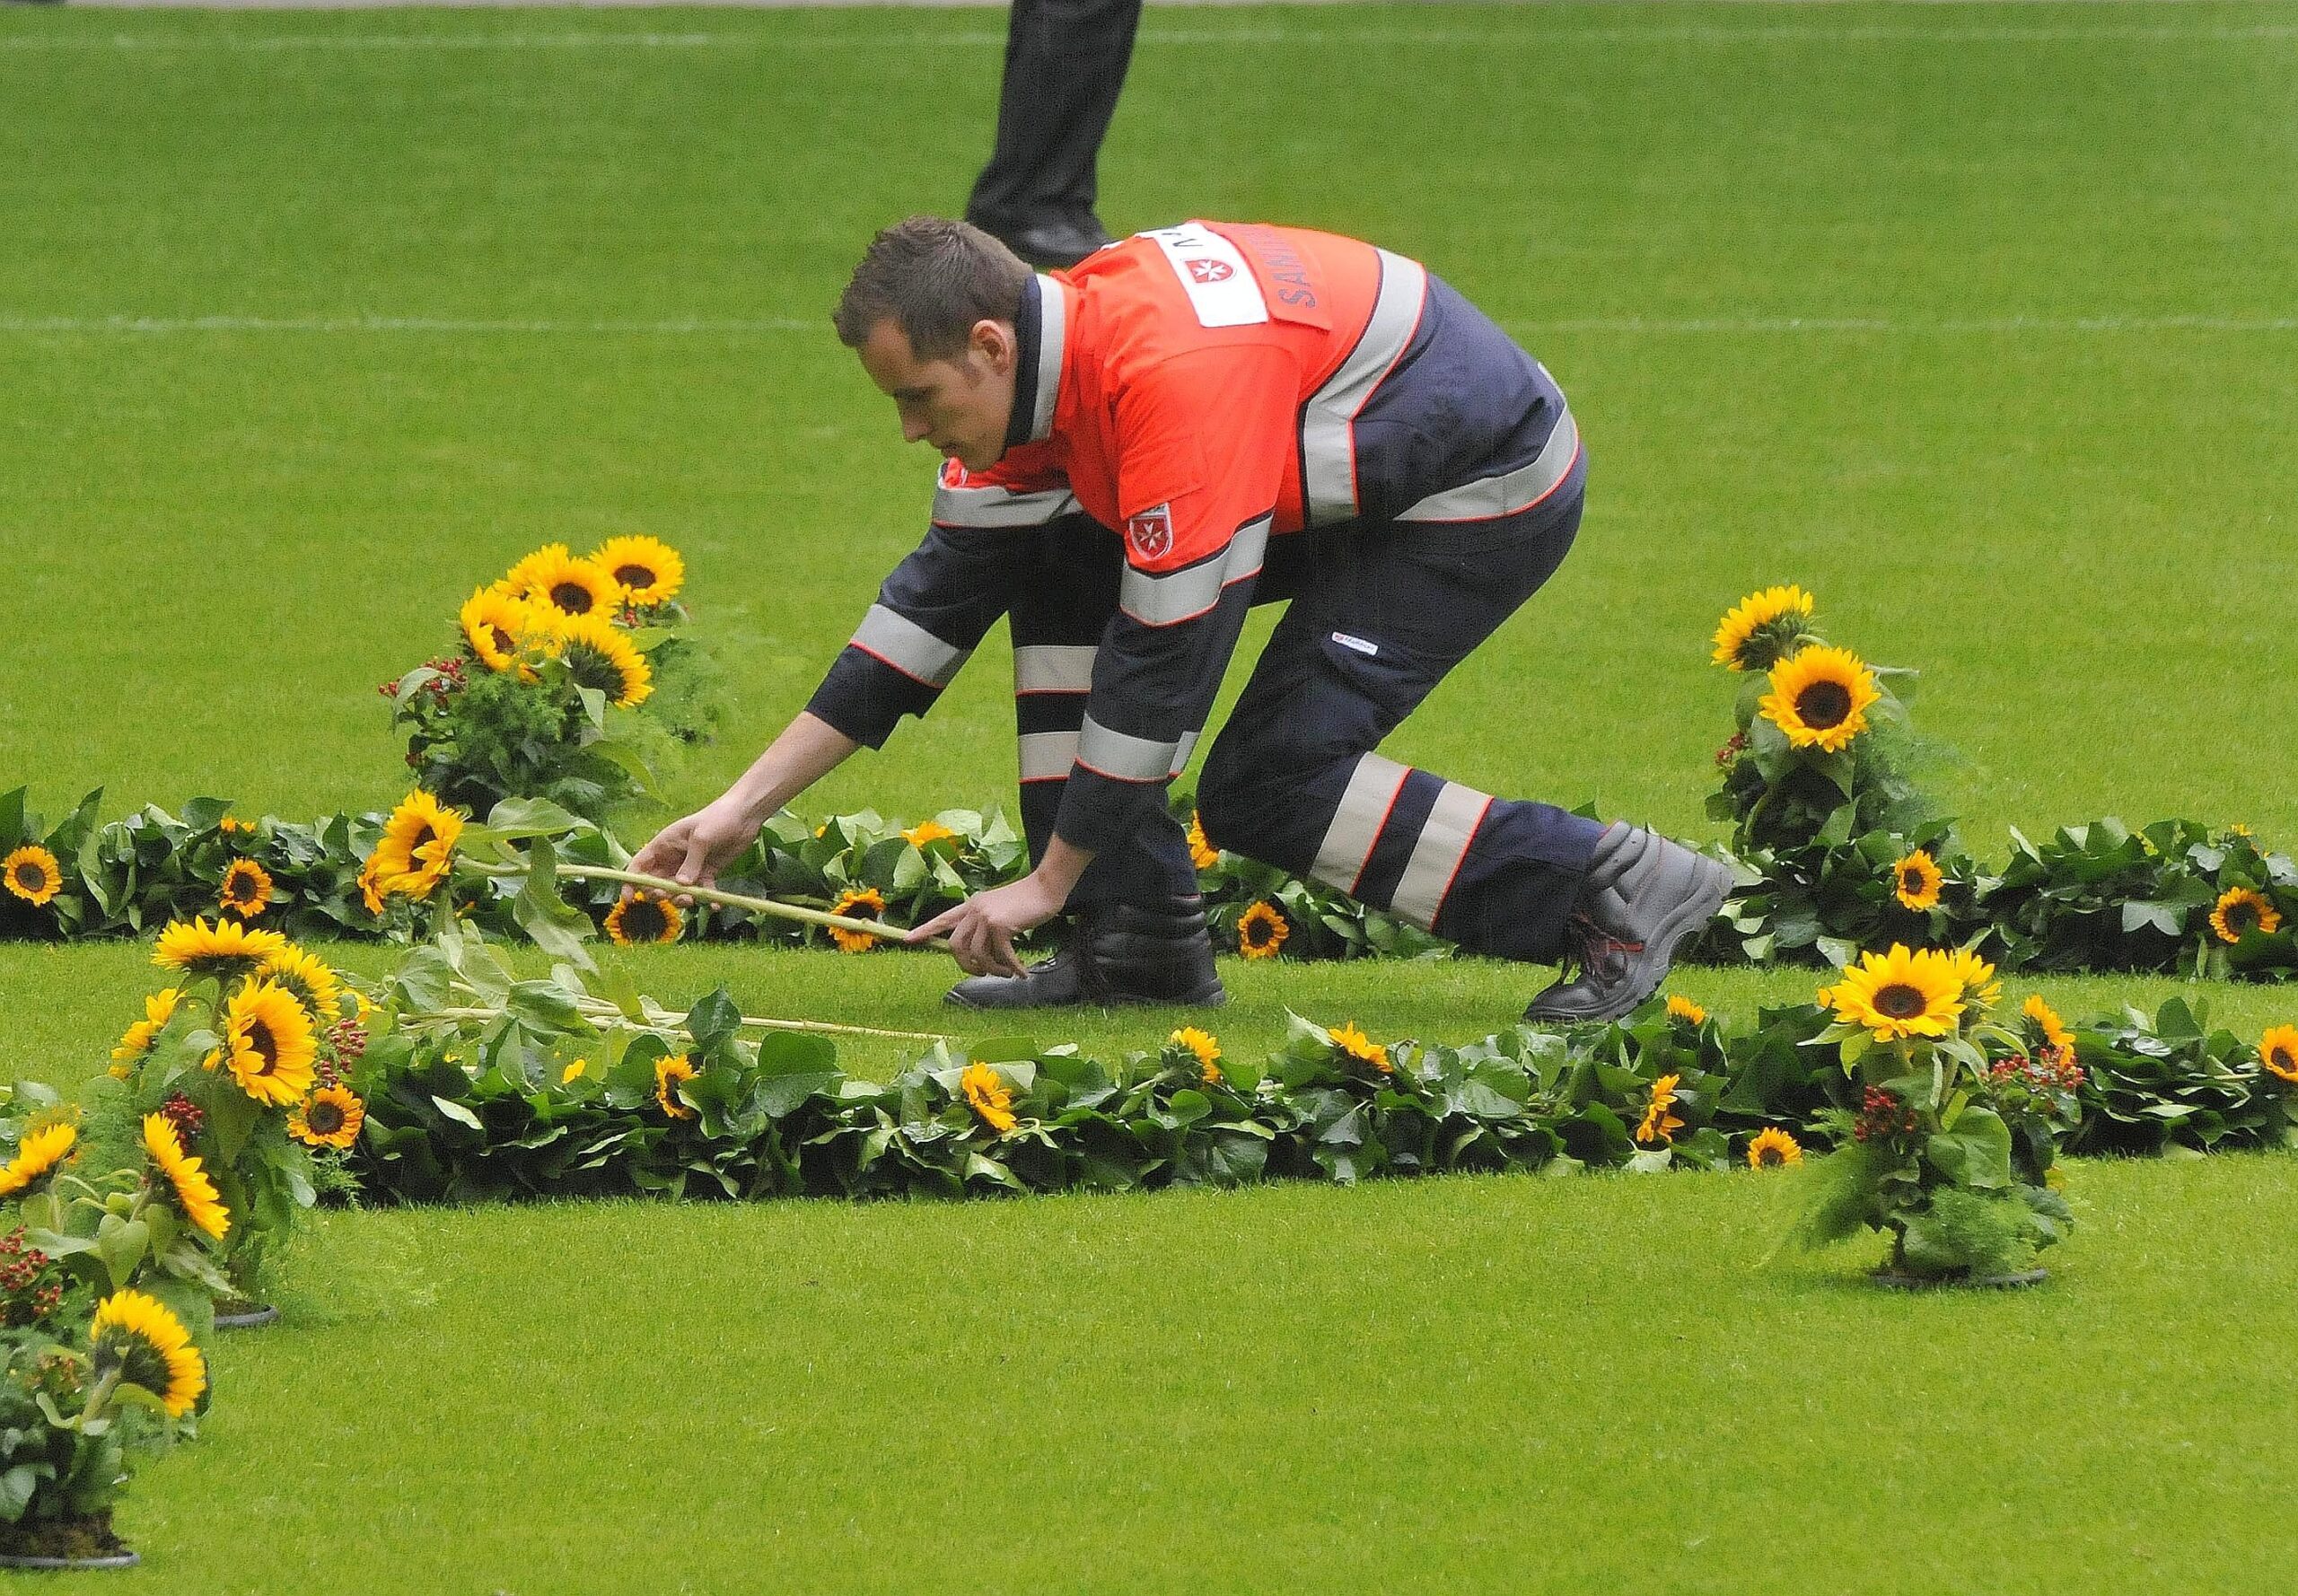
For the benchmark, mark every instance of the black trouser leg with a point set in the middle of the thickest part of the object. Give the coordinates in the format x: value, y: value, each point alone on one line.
x: 1057, y: 620
x: 1379, y: 616
x: 1065, y: 65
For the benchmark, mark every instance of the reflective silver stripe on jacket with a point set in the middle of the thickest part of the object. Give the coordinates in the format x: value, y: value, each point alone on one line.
x: 1436, y: 856
x: 909, y: 647
x: 1048, y: 756
x: 1513, y: 492
x: 1372, y: 788
x: 1053, y: 668
x: 1182, y: 749
x: 1156, y: 601
x: 1053, y: 333
x: 995, y: 506
x: 1126, y: 758
x: 1329, y: 420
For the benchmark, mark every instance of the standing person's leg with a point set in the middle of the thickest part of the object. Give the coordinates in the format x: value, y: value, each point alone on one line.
x: 1381, y: 615
x: 1066, y: 62
x: 1138, y: 929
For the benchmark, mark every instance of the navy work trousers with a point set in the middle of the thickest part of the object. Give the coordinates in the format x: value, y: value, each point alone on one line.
x: 1379, y: 613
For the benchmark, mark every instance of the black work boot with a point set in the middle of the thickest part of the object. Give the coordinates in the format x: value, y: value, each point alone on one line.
x: 1643, y: 896
x: 1120, y: 953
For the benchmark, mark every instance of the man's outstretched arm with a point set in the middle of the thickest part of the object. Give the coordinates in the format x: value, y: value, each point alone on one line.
x: 693, y: 851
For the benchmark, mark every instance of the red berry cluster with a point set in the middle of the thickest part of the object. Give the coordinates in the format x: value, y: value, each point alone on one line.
x: 449, y: 679
x: 2054, y: 1070
x: 187, y: 1116
x: 349, y: 1038
x: 26, y: 1294
x: 1731, y: 750
x: 1882, y: 1115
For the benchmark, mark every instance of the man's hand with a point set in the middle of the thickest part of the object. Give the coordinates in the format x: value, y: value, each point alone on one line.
x: 693, y: 851
x: 981, y: 929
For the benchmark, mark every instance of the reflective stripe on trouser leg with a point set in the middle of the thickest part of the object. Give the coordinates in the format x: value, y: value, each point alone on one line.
x: 1398, y: 838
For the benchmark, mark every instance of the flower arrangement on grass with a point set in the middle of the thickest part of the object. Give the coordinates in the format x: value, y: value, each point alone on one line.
x: 1951, y: 1150
x: 553, y: 656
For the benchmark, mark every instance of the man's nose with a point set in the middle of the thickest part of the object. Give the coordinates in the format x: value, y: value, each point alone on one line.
x: 913, y: 429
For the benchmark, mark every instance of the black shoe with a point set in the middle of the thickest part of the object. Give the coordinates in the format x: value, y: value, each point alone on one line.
x: 1050, y: 243
x: 1643, y: 896
x: 1125, y: 953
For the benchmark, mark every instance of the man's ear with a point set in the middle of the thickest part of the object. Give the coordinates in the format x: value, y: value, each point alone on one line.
x: 998, y: 343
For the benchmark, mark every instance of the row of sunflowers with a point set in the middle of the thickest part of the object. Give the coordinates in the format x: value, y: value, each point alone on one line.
x: 152, y: 1209
x: 1835, y: 847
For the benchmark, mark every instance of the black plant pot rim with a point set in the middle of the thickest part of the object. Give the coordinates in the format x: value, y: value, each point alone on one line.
x: 249, y: 1318
x: 1892, y: 1277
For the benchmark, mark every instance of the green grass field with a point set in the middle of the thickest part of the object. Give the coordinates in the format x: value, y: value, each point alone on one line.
x: 1982, y: 320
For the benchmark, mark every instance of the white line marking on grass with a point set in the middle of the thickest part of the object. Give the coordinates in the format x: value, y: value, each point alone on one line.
x: 415, y: 324
x: 1624, y: 326
x: 1559, y: 40
x: 1631, y: 325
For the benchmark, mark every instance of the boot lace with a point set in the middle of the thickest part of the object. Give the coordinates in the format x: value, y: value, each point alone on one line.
x: 1592, y: 944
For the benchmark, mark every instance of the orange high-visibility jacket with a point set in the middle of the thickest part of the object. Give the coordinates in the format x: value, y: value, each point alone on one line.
x: 1199, y: 388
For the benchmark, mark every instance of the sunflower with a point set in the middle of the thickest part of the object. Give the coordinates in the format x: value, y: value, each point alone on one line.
x: 1763, y: 629
x: 1819, y: 698
x: 33, y: 874
x: 269, y: 1042
x: 925, y: 832
x: 500, y: 627
x: 308, y: 980
x: 330, y: 1117
x: 648, y: 570
x: 418, y: 847
x: 574, y: 1072
x: 601, y: 655
x: 2052, y: 1029
x: 856, y: 941
x: 1261, y: 931
x: 246, y: 890
x: 1977, y: 976
x: 986, y: 1093
x: 1201, y: 851
x: 1772, y: 1148
x: 1916, y: 879
x: 1659, y: 1124
x: 223, y: 950
x: 569, y: 585
x: 140, y: 1337
x: 668, y: 1075
x: 1202, y: 1045
x: 2278, y: 1052
x: 38, y: 1155
x: 194, y: 1193
x: 644, y: 917
x: 1687, y: 1011
x: 1354, y: 1044
x: 2241, y: 911
x: 228, y: 825
x: 1900, y: 994
x: 158, y: 1010
x: 519, y: 580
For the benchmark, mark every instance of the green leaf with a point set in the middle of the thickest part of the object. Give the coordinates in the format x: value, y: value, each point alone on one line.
x: 456, y: 1111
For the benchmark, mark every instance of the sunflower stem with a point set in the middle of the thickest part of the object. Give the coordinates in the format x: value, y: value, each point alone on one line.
x: 764, y: 905
x: 597, y: 1009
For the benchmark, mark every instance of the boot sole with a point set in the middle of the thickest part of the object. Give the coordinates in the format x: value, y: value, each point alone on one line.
x: 1652, y: 966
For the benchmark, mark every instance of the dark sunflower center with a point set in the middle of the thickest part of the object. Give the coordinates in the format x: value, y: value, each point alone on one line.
x: 502, y: 639
x: 572, y: 597
x: 2243, y: 915
x: 267, y: 1048
x: 30, y: 877
x: 633, y: 576
x: 1256, y: 932
x: 241, y: 887
x: 1910, y: 880
x: 1769, y: 1155
x: 1823, y: 705
x: 324, y: 1118
x: 643, y: 920
x: 2282, y: 1058
x: 1901, y: 1001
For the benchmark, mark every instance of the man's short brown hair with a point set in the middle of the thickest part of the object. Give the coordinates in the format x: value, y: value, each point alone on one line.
x: 934, y: 279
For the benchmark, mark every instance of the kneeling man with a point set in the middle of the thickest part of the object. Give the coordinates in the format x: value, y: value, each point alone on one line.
x: 1193, y: 421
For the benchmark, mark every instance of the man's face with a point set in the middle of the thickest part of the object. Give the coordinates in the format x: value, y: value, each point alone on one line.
x: 961, y: 405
